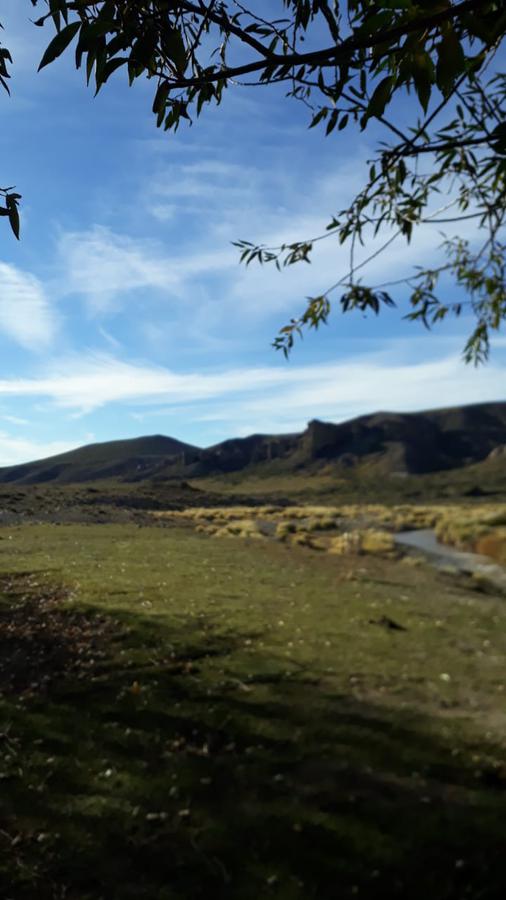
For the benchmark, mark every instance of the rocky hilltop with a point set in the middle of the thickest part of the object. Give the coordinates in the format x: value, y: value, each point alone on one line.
x: 383, y: 443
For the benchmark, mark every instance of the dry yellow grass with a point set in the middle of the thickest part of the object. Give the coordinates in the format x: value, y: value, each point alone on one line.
x: 321, y: 523
x: 368, y: 540
x: 345, y: 544
x: 377, y: 542
x: 303, y: 539
x: 370, y: 526
x: 307, y: 512
x: 283, y: 529
x: 241, y: 528
x: 465, y: 526
x: 493, y: 545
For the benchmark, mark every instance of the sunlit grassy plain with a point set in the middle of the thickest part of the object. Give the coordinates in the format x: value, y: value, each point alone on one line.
x: 186, y: 717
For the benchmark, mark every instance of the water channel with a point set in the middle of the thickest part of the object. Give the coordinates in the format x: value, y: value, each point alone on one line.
x: 427, y: 544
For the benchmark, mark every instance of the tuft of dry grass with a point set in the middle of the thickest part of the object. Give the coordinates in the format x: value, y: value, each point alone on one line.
x: 321, y: 523
x: 242, y: 528
x: 284, y: 529
x: 303, y: 539
x: 377, y: 542
x: 368, y: 540
x: 493, y: 545
x: 345, y: 544
x: 464, y: 527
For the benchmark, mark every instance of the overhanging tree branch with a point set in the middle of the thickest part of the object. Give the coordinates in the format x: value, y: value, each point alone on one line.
x: 439, y: 54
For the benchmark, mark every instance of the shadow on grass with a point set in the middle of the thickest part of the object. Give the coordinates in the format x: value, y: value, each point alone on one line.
x: 147, y: 764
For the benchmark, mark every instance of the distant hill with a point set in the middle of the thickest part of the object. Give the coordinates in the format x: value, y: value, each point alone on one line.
x: 384, y: 443
x: 389, y: 443
x: 128, y: 460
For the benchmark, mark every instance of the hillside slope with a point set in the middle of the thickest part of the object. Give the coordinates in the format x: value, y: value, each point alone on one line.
x: 128, y: 459
x: 389, y: 443
x: 384, y: 443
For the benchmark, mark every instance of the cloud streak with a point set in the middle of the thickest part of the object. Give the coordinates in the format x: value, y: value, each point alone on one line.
x: 14, y: 450
x: 105, y: 267
x: 258, y: 398
x: 26, y: 315
x: 195, y: 270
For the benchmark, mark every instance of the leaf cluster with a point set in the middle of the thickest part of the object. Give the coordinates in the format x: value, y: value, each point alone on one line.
x: 349, y: 62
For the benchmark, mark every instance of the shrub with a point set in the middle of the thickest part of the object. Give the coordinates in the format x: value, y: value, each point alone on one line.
x: 493, y: 545
x: 209, y: 528
x: 243, y: 528
x: 496, y: 518
x: 283, y: 529
x: 377, y: 542
x: 323, y: 523
x: 462, y: 533
x: 269, y: 511
x: 366, y: 541
x: 344, y: 544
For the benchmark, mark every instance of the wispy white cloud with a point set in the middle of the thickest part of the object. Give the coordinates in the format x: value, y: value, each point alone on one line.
x: 109, y: 338
x: 105, y: 267
x: 88, y: 383
x: 101, y: 265
x: 26, y: 316
x: 14, y: 450
x: 269, y: 398
x: 196, y: 271
x: 14, y: 420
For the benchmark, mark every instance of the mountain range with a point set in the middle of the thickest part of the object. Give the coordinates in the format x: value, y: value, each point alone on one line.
x: 384, y: 443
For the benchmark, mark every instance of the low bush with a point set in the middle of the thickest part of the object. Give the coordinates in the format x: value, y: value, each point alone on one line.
x: 366, y: 541
x: 322, y: 523
x: 493, y: 545
x: 462, y: 532
x: 347, y: 543
x: 377, y: 542
x: 283, y: 529
x: 242, y: 528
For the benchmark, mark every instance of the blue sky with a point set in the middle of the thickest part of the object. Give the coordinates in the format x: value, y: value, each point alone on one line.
x: 123, y: 310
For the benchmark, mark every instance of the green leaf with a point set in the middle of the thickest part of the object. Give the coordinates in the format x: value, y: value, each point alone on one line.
x: 105, y: 71
x: 174, y: 44
x: 160, y: 101
x: 321, y: 114
x: 423, y: 78
x: 12, y: 206
x: 90, y: 62
x: 380, y: 97
x: 143, y: 49
x: 59, y: 43
x: 499, y: 136
x: 55, y: 9
x: 332, y: 122
x: 451, y: 62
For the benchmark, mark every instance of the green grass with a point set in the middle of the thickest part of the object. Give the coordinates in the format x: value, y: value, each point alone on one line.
x: 184, y: 717
x: 363, y: 483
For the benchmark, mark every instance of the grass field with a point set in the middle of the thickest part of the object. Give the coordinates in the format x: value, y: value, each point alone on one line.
x: 484, y: 479
x: 184, y: 717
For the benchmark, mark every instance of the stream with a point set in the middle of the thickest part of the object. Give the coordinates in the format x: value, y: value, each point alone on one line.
x: 426, y: 542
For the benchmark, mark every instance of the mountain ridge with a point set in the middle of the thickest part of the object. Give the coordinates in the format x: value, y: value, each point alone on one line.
x: 389, y: 443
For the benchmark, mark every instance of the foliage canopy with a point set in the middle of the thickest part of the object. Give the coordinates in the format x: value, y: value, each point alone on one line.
x: 349, y: 62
